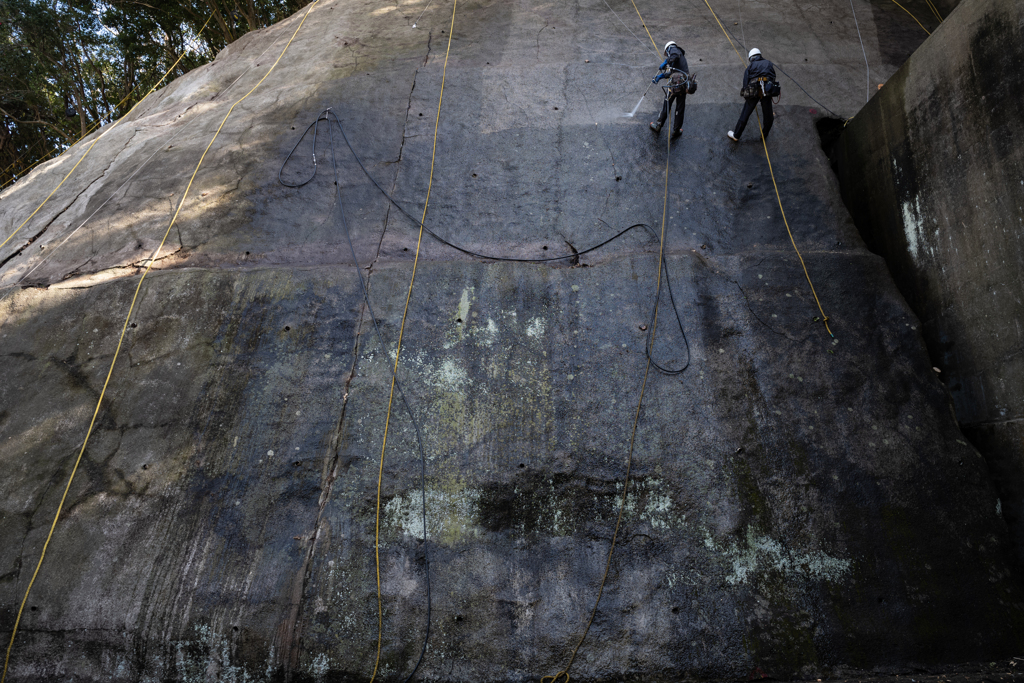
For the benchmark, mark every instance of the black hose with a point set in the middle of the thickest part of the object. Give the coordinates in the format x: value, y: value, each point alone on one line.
x: 650, y: 342
x: 328, y: 116
x: 380, y: 338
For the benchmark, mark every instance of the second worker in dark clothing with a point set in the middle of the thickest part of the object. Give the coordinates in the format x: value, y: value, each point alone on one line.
x: 756, y: 80
x: 676, y: 70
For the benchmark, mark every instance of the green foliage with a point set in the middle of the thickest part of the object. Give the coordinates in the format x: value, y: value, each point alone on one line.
x: 70, y: 66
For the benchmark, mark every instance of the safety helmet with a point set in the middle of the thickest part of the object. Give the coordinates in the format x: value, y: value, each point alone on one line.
x: 667, y: 45
x: 753, y: 52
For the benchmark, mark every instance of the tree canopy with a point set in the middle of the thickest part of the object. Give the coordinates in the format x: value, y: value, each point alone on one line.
x: 70, y: 66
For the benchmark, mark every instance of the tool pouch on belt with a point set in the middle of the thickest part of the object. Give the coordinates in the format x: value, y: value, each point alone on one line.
x: 752, y: 90
x: 773, y: 89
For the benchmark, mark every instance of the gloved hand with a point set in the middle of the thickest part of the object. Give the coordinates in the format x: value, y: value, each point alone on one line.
x: 658, y: 78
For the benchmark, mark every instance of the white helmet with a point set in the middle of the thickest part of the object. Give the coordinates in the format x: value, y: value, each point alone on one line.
x: 667, y: 45
x: 753, y: 52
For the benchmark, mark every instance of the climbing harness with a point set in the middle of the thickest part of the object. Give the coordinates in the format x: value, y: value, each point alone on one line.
x: 563, y: 675
x: 732, y: 38
x: 331, y: 117
x: 681, y: 82
x: 124, y: 329
x: 824, y: 318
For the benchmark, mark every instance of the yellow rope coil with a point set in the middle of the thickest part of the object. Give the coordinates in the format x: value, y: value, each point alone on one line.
x: 112, y: 127
x: 398, y: 351
x: 124, y: 329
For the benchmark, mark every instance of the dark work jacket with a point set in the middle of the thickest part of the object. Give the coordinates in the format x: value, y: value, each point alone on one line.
x: 675, y: 59
x: 759, y: 66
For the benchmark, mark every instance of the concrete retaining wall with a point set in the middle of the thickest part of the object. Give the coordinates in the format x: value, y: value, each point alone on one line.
x: 933, y: 172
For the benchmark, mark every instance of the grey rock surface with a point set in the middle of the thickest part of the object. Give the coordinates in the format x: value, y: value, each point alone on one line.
x: 796, y: 503
x: 933, y: 174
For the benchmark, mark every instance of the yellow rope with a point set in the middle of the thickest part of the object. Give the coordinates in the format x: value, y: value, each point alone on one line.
x: 90, y: 129
x: 824, y: 318
x: 30, y: 166
x: 120, y: 340
x: 398, y: 351
x: 556, y: 678
x: 727, y: 36
x: 97, y: 123
x: 644, y: 24
x: 912, y: 16
x: 934, y: 9
x: 112, y: 126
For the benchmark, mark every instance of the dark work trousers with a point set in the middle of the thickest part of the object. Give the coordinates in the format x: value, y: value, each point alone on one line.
x: 677, y: 120
x: 748, y: 109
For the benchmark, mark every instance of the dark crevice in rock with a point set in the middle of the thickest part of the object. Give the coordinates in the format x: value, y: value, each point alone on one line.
x: 829, y: 130
x: 294, y: 647
x: 401, y: 149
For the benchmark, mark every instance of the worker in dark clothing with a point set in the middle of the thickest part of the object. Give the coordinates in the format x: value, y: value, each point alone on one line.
x: 757, y: 79
x: 675, y: 69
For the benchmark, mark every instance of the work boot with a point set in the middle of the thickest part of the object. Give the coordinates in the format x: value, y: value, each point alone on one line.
x: 676, y: 133
x: 732, y: 137
x: 656, y: 127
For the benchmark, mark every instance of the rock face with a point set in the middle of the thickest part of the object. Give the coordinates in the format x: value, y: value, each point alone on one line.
x: 931, y: 171
x: 795, y: 503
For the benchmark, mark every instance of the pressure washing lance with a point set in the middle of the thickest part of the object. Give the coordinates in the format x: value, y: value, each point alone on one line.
x: 689, y: 83
x: 632, y: 113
